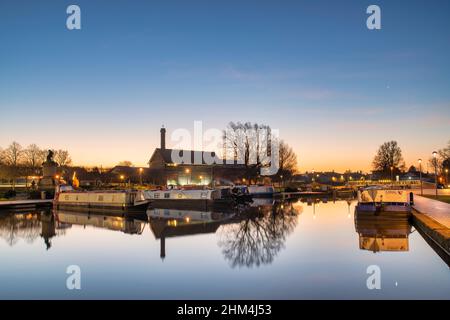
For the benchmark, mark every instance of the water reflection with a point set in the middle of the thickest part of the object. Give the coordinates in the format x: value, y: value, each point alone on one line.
x: 258, y: 235
x: 166, y: 223
x: 128, y: 225
x: 377, y: 233
x: 29, y: 227
x: 242, y: 249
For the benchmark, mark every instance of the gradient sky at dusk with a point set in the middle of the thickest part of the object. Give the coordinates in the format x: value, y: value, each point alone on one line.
x: 310, y: 68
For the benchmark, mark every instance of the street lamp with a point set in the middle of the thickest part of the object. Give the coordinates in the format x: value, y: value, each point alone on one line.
x: 141, y: 170
x: 122, y: 177
x: 446, y: 176
x: 435, y: 171
x: 420, y: 173
x: 188, y: 171
x: 392, y: 175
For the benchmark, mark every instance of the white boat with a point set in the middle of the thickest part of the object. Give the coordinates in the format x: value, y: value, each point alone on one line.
x: 201, y: 199
x: 114, y: 201
x: 261, y: 191
x: 378, y: 200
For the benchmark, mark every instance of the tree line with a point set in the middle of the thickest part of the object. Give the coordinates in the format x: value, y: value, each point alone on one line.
x: 389, y: 159
x: 16, y: 161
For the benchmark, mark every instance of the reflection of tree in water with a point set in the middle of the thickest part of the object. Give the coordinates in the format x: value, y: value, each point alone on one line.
x: 17, y: 226
x: 259, y: 235
x: 28, y: 227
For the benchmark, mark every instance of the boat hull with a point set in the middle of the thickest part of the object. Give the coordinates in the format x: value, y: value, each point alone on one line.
x: 389, y: 210
x: 139, y: 208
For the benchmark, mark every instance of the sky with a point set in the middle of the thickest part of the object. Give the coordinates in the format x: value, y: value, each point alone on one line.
x: 312, y: 69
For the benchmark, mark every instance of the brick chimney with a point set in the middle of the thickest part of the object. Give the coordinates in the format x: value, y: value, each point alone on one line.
x: 163, y: 138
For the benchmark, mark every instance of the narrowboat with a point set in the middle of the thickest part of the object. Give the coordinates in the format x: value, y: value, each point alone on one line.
x: 202, y: 199
x: 112, y: 201
x: 381, y: 201
x: 261, y: 191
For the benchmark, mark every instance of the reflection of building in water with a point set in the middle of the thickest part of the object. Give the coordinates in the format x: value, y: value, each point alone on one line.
x: 381, y: 234
x: 166, y: 223
x: 126, y: 225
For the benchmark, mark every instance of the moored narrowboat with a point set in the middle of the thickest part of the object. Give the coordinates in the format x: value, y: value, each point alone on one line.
x: 113, y: 201
x: 377, y: 200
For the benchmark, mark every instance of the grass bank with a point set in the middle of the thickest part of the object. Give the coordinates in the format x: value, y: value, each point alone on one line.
x: 445, y: 199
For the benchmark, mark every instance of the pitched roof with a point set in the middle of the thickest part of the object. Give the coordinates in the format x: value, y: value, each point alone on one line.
x: 193, y: 157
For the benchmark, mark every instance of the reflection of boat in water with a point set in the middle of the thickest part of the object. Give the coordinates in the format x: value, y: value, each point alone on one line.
x: 100, y: 201
x: 262, y: 202
x: 380, y: 201
x: 378, y: 233
x: 109, y: 222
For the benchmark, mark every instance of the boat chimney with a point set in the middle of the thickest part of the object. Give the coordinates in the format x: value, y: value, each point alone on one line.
x: 163, y: 138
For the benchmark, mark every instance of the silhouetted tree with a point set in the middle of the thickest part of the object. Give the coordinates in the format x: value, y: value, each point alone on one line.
x: 62, y: 157
x: 33, y: 157
x: 388, y: 156
x: 249, y: 144
x: 288, y: 161
x: 13, y: 156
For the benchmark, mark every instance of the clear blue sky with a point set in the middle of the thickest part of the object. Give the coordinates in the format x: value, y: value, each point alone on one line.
x: 311, y: 68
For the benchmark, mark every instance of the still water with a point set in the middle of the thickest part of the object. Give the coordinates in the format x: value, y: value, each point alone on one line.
x: 299, y: 250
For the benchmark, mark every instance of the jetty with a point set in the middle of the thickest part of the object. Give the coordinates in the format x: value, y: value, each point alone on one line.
x: 19, y: 205
x: 432, y: 219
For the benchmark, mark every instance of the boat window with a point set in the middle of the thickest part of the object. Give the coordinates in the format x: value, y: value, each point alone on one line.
x: 100, y: 198
x: 166, y: 195
x: 180, y: 196
x: 156, y: 195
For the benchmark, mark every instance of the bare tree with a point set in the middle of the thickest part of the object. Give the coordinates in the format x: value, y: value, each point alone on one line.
x: 288, y: 161
x: 248, y: 144
x: 389, y: 157
x: 13, y: 156
x: 34, y: 156
x: 62, y: 157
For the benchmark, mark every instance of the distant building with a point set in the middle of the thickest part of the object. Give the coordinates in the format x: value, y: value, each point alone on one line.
x: 193, y: 170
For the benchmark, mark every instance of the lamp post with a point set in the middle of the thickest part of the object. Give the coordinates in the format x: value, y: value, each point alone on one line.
x: 392, y: 175
x: 420, y: 175
x: 435, y: 172
x: 122, y: 178
x: 140, y: 175
x: 188, y: 171
x: 446, y: 176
